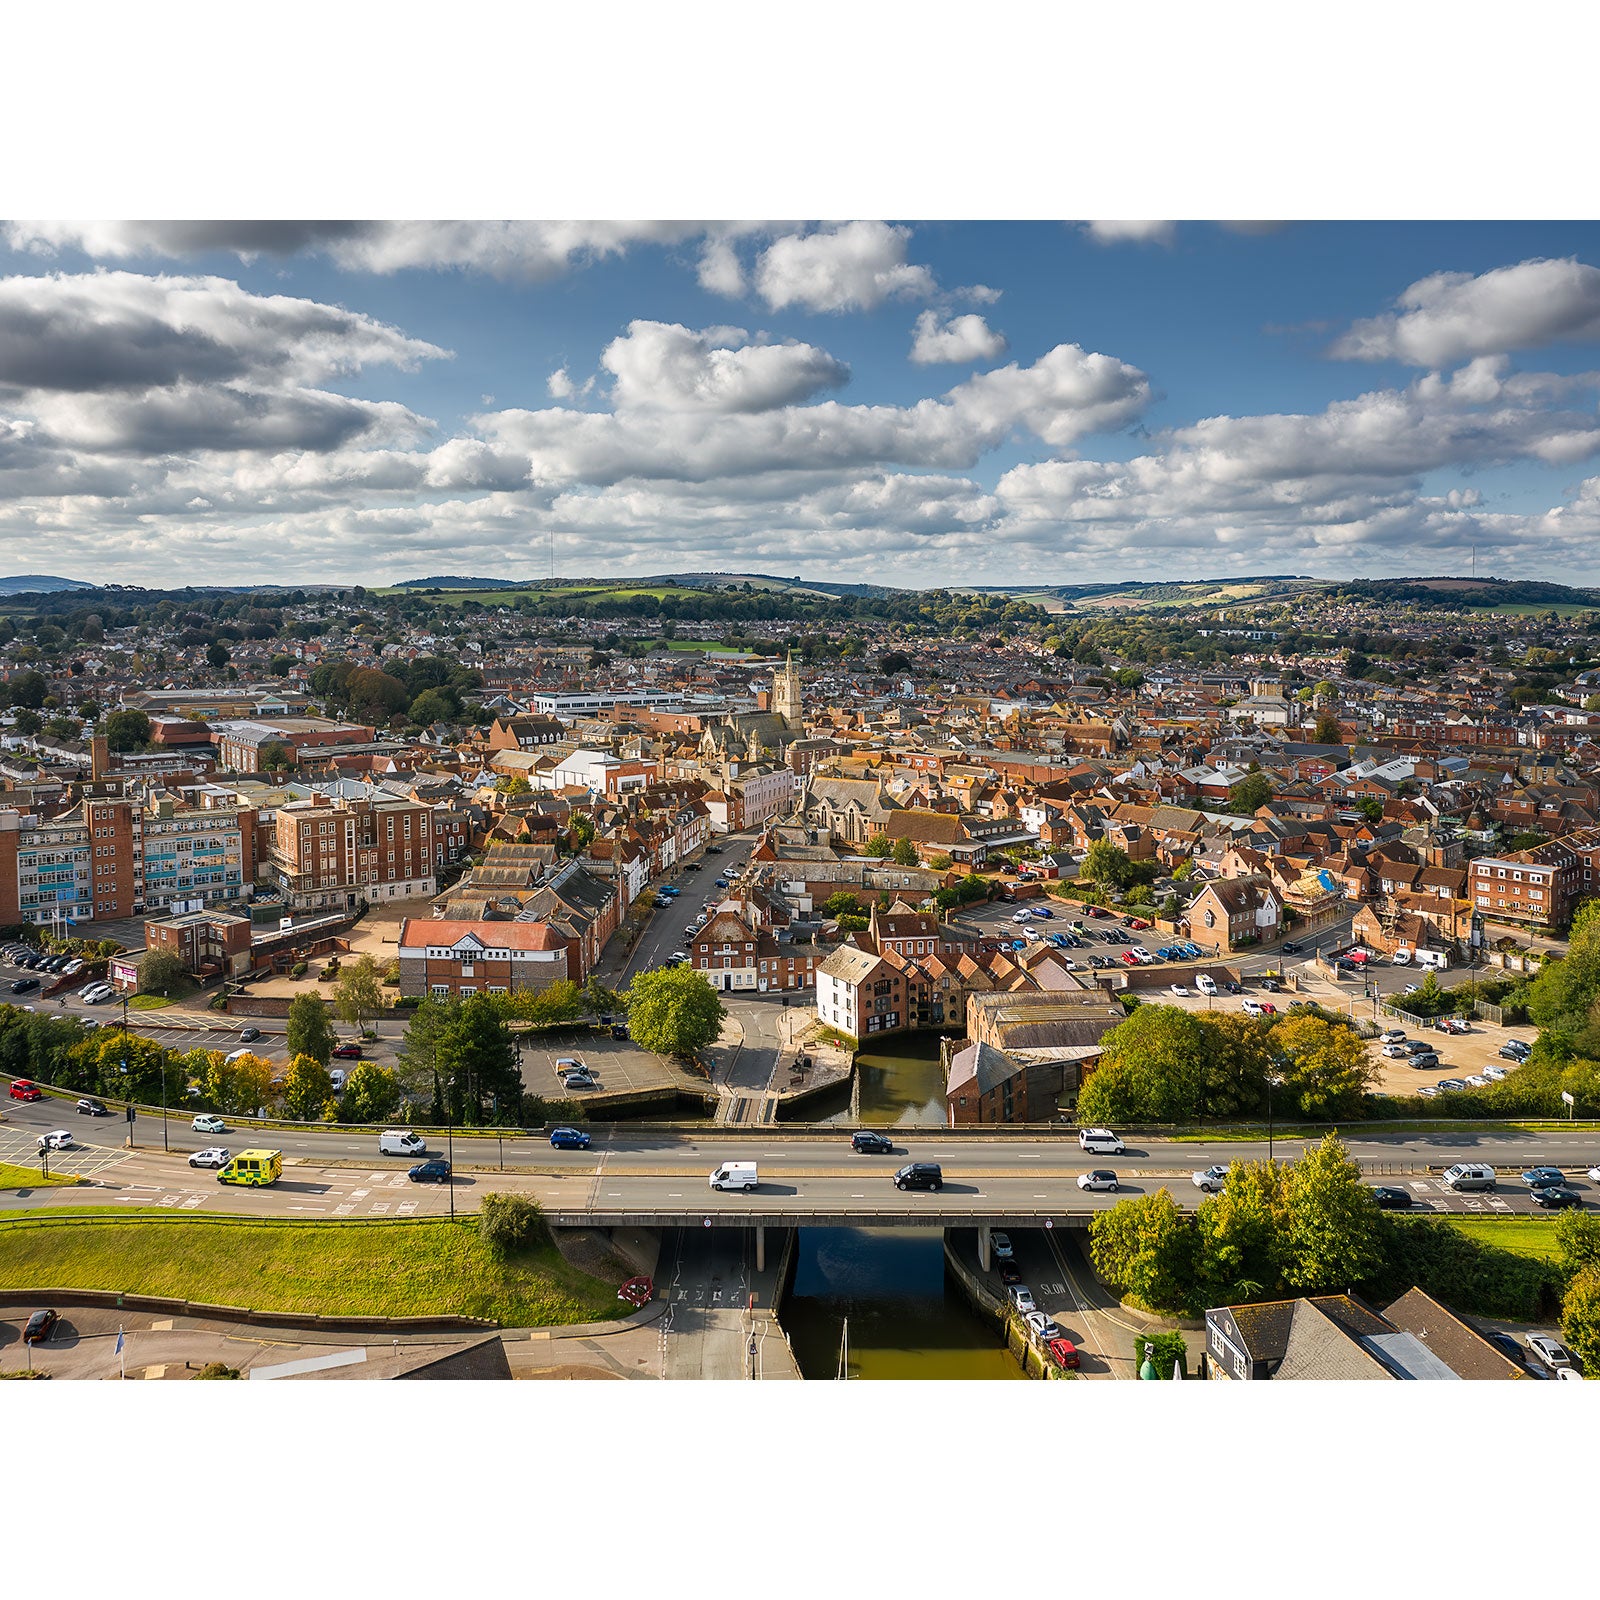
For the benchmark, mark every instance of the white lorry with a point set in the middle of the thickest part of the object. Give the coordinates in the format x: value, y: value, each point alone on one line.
x: 735, y: 1175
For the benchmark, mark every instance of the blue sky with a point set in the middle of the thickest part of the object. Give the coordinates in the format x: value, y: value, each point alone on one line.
x: 383, y: 401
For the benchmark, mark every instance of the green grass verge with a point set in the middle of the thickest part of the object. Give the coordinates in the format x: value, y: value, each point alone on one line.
x: 149, y: 1002
x: 14, y: 1177
x: 1533, y: 1237
x: 347, y: 1268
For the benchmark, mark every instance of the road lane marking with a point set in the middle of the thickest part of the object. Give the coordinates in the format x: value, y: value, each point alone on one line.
x: 1035, y: 1157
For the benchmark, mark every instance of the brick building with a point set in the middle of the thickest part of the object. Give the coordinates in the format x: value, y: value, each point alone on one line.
x: 447, y: 959
x: 326, y: 853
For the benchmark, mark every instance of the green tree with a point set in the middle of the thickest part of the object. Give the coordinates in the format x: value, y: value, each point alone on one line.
x: 240, y: 1086
x: 1152, y: 1069
x: 1332, y: 1232
x: 434, y: 705
x: 1578, y: 1240
x: 127, y: 730
x: 941, y: 862
x: 880, y: 845
x: 27, y: 722
x: 1147, y: 1248
x: 310, y: 1033
x: 511, y: 1222
x: 1249, y: 794
x: 161, y: 971
x: 1327, y: 1067
x: 274, y: 756
x: 418, y: 1056
x: 359, y: 993
x: 842, y: 904
x: 513, y: 783
x: 904, y: 853
x: 28, y: 689
x: 1235, y: 1066
x: 1327, y: 729
x: 307, y: 1088
x: 674, y: 1012
x: 218, y: 655
x: 1240, y: 1240
x: 371, y: 1093
x: 1580, y: 1318
x: 1106, y: 865
x: 478, y: 1056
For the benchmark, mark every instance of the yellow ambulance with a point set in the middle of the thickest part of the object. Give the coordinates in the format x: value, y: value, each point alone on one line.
x: 253, y: 1167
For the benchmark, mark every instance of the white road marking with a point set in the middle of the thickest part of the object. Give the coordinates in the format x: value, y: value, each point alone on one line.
x: 405, y: 1208
x: 343, y: 1211
x: 1030, y: 1158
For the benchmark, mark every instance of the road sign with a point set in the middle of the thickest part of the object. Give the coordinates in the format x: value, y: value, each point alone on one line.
x: 1567, y: 1099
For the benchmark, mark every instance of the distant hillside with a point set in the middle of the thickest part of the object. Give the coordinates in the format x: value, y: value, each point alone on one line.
x: 1464, y: 594
x: 39, y: 583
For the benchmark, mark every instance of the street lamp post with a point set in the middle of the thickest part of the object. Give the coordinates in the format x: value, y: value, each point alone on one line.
x: 162, y: 1063
x: 450, y: 1138
x: 1272, y: 1078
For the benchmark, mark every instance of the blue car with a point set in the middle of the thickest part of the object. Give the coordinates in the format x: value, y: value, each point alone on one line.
x: 1544, y: 1177
x: 569, y: 1139
x: 1045, y: 912
x: 1019, y: 944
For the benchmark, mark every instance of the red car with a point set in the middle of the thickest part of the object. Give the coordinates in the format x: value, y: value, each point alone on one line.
x: 1270, y: 1009
x: 23, y: 1090
x: 347, y: 1052
x: 1137, y: 923
x: 637, y: 1292
x: 1130, y: 958
x: 1064, y: 1353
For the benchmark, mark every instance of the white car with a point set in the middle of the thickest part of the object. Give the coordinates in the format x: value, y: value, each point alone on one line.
x: 1043, y: 1326
x: 1252, y: 1008
x: 1494, y: 1073
x: 1022, y: 1298
x: 1392, y: 1036
x: 206, y: 1123
x: 1594, y: 1174
x: 216, y: 1156
x: 1179, y: 989
x: 1022, y: 916
x: 60, y: 1139
x: 1101, y: 1181
x: 1396, y: 1052
x: 1211, y: 1180
x: 1479, y: 1080
x: 1000, y: 1245
x: 1550, y: 1351
x: 1427, y: 1091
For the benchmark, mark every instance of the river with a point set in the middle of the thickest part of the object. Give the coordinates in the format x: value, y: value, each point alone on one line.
x: 908, y: 1317
x: 901, y: 1085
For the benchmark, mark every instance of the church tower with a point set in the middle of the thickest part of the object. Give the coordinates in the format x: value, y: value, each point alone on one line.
x: 786, y: 695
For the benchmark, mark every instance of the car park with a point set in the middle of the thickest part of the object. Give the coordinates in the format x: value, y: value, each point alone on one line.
x: 90, y: 1107
x: 1211, y: 1179
x: 57, y: 1139
x: 1271, y: 985
x: 40, y: 1326
x: 868, y: 1141
x: 1550, y: 1351
x: 436, y: 1170
x: 1022, y: 1298
x: 578, y: 1080
x: 206, y: 1123
x: 1515, y: 1050
x: 1594, y: 1174
x: 1206, y: 984
x: 569, y: 1139
x: 1389, y: 1198
x: 1099, y: 1181
x: 1043, y: 912
x: 1252, y: 1008
x: 213, y: 1156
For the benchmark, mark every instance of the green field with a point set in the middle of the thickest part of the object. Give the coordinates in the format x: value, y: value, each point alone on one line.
x: 347, y: 1268
x: 1561, y: 608
x: 496, y: 597
x: 13, y: 1177
x: 1534, y: 1237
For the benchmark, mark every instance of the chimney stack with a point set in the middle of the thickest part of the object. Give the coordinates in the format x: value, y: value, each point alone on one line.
x: 99, y: 757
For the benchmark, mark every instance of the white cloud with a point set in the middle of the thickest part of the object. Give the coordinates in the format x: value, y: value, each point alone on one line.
x: 1131, y: 232
x: 854, y: 267
x: 1454, y: 316
x: 961, y: 339
x: 721, y: 271
x: 530, y: 252
x: 665, y: 366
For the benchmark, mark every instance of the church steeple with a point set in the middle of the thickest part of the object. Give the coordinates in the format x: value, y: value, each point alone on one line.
x: 786, y: 694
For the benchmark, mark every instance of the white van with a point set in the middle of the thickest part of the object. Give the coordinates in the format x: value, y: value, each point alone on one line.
x: 1468, y: 1175
x: 336, y: 1079
x: 735, y: 1175
x: 237, y: 1055
x: 401, y: 1142
x: 1205, y: 983
x: 1100, y: 1142
x: 1436, y: 959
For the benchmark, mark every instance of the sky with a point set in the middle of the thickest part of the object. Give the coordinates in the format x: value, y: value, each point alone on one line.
x: 892, y: 401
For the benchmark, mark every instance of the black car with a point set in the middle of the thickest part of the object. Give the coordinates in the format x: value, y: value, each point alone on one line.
x: 24, y: 985
x: 1514, y: 1050
x: 249, y: 1035
x: 713, y: 849
x: 1290, y: 947
x: 40, y: 1326
x: 1554, y: 1199
x: 920, y: 1175
x: 1508, y: 1347
x: 619, y: 1030
x: 1544, y: 1177
x: 90, y: 1107
x: 435, y: 1171
x: 870, y: 1143
x: 1272, y: 986
x: 1234, y: 988
x: 1392, y: 1199
x: 1009, y: 1273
